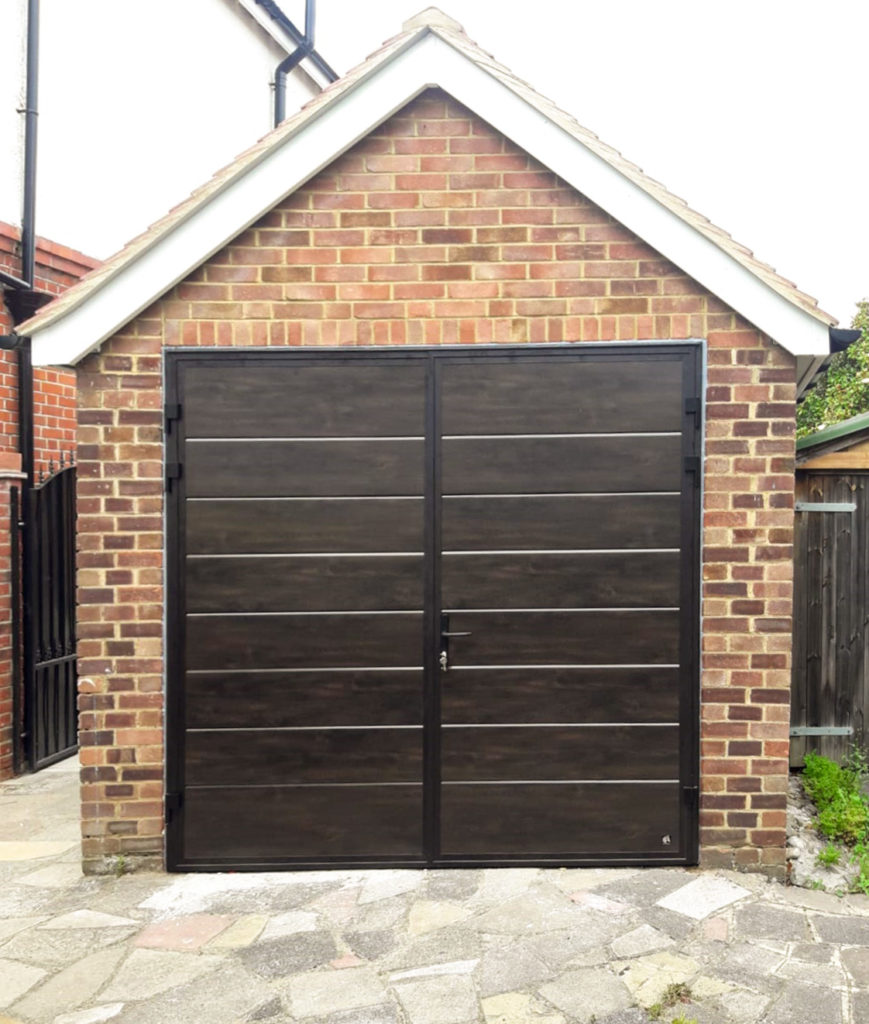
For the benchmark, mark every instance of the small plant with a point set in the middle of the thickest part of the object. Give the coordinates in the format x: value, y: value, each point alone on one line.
x: 682, y: 1019
x: 829, y: 855
x: 677, y: 992
x: 817, y: 884
x: 843, y: 810
x: 120, y: 866
x: 861, y: 859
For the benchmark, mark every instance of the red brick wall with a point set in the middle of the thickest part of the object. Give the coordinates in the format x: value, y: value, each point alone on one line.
x: 57, y: 267
x: 54, y: 431
x: 437, y: 230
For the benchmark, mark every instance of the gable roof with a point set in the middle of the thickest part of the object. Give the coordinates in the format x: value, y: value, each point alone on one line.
x: 431, y: 51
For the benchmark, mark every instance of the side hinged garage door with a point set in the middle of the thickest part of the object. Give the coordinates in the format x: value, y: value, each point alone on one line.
x: 433, y: 606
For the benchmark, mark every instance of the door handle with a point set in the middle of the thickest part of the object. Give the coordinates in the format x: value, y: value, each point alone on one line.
x: 446, y: 636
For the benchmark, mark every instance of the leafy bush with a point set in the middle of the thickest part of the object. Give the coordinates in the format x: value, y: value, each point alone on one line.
x: 846, y: 819
x: 861, y: 859
x: 829, y: 855
x: 843, y: 810
x: 843, y: 390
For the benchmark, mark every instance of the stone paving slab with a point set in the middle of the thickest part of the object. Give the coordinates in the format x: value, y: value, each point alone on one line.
x: 88, y: 919
x: 73, y: 987
x: 488, y: 946
x: 702, y: 897
x: 16, y: 979
x: 95, y: 1015
x: 33, y: 850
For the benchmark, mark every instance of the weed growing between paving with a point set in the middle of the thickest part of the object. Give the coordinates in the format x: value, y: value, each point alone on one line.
x: 678, y: 992
x: 843, y: 809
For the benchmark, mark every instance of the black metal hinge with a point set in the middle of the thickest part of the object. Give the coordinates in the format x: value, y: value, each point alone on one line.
x: 174, y: 803
x: 691, y: 796
x: 692, y: 464
x: 173, y: 472
x: 693, y: 407
x: 171, y: 413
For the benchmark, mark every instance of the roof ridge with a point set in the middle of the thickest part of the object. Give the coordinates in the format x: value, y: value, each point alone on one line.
x: 432, y: 22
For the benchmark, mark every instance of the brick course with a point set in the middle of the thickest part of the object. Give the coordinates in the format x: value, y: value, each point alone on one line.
x: 436, y: 230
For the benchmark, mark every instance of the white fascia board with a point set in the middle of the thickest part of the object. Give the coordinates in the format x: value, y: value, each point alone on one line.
x: 794, y: 329
x: 426, y: 61
x: 284, y: 40
x: 67, y: 340
x: 268, y: 24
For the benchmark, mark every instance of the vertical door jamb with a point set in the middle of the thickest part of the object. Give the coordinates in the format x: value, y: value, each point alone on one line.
x: 174, y: 527
x: 689, y: 611
x: 431, y: 606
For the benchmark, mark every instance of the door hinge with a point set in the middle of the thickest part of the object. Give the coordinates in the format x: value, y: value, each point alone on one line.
x: 822, y: 730
x: 171, y: 413
x: 692, y: 463
x: 693, y: 407
x: 174, y: 803
x: 173, y: 472
x: 691, y: 796
x: 825, y: 506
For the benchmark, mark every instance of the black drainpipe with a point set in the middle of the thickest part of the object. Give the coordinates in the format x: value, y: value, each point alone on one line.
x: 23, y: 300
x: 304, y: 48
x: 28, y: 215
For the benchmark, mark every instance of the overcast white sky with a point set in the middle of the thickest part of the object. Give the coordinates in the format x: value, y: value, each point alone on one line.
x: 754, y: 111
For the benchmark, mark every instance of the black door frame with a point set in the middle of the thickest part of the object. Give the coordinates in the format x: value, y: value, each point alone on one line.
x: 691, y: 353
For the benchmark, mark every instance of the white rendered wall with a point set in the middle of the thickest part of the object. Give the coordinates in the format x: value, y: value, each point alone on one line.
x: 140, y: 102
x: 12, y: 20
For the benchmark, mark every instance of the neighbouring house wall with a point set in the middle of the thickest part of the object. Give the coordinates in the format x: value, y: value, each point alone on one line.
x: 437, y: 230
x: 54, y: 425
x: 87, y: 202
x: 57, y: 267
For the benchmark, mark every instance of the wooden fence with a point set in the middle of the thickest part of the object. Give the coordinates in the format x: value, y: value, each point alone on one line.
x: 830, y: 690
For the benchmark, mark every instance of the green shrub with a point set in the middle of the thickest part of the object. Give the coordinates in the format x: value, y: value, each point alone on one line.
x: 829, y: 855
x: 843, y: 811
x: 843, y: 390
x: 861, y: 859
x: 845, y: 819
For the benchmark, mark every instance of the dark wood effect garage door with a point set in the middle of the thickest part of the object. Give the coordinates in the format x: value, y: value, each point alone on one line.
x: 433, y: 606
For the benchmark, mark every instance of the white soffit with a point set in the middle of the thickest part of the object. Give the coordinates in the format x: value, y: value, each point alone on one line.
x: 427, y: 61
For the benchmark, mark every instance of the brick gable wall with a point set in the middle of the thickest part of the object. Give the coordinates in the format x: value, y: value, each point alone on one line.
x: 437, y: 230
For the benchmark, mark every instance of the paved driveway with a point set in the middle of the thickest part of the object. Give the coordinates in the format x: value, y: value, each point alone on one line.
x: 510, y: 946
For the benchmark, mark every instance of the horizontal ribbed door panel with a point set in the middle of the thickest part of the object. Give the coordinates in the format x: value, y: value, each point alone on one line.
x: 342, y: 522
x: 301, y: 607
x: 562, y: 579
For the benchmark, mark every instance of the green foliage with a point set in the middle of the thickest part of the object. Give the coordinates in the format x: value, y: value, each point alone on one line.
x: 846, y: 819
x: 678, y: 992
x: 824, y: 780
x: 861, y: 859
x: 857, y: 762
x: 682, y: 1019
x: 829, y: 855
x: 843, y: 810
x: 843, y: 391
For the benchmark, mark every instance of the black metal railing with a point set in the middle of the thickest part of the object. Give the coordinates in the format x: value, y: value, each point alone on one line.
x: 51, y: 719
